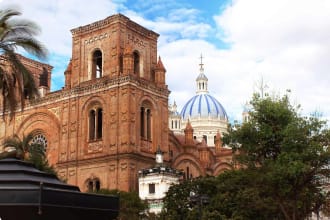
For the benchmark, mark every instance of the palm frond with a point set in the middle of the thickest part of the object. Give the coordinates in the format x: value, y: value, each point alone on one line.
x: 8, y: 13
x: 24, y: 27
x: 29, y: 44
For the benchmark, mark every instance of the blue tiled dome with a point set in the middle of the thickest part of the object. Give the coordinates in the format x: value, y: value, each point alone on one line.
x: 203, y: 105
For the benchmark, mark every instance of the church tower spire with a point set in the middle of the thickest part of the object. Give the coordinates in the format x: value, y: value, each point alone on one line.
x: 201, y: 80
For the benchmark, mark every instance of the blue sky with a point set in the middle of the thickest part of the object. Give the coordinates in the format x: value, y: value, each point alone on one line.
x: 286, y: 43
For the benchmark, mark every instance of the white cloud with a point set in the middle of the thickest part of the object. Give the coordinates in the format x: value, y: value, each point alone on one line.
x: 286, y: 41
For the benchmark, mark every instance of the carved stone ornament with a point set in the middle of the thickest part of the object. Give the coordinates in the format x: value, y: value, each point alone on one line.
x: 112, y: 167
x: 56, y: 111
x: 72, y: 172
x: 123, y: 166
x: 95, y: 147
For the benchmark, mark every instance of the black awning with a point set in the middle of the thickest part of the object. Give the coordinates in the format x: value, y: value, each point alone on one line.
x: 27, y: 193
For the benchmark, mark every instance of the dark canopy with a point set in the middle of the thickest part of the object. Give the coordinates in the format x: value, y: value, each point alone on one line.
x: 27, y: 193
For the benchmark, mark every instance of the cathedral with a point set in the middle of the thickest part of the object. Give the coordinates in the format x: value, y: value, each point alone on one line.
x: 112, y: 114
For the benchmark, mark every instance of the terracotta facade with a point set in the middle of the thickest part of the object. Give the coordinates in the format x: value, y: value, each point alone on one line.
x: 112, y: 113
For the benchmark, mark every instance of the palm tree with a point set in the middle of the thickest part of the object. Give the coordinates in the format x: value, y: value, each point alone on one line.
x: 15, y: 78
x: 28, y: 150
x: 24, y: 148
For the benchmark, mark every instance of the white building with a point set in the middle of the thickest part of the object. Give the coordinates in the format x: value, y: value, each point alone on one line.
x: 155, y: 182
x: 205, y: 113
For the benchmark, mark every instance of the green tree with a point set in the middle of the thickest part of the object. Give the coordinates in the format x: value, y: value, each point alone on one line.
x: 239, y: 196
x: 131, y: 206
x: 231, y: 195
x: 189, y: 199
x: 15, y: 78
x: 27, y: 150
x: 288, y: 152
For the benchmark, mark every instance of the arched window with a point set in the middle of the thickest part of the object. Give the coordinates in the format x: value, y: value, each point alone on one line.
x: 205, y: 138
x: 136, y: 58
x: 41, y: 140
x: 97, y: 64
x: 93, y: 185
x: 95, y: 121
x: 146, y: 122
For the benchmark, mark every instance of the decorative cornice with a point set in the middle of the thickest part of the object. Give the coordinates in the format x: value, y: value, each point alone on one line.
x: 93, y: 86
x: 117, y: 18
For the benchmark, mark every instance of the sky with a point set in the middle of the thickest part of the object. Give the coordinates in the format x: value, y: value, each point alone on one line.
x: 284, y: 44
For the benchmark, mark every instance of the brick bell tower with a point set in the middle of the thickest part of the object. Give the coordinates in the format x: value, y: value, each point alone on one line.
x: 122, y: 106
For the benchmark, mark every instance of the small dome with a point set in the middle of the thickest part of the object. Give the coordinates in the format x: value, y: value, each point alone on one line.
x: 203, y: 105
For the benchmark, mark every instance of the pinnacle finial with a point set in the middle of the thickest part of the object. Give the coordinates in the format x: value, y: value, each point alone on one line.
x: 201, y: 64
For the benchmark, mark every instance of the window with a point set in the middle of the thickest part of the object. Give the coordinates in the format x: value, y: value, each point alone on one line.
x: 146, y: 122
x: 97, y: 185
x: 90, y: 186
x: 187, y: 173
x: 95, y: 124
x: 121, y: 64
x: 93, y: 185
x: 136, y: 58
x: 97, y: 64
x: 152, y: 188
x: 148, y: 125
x: 153, y: 77
x: 26, y: 93
x: 43, y: 78
x: 92, y: 125
x: 99, y: 124
x: 40, y: 139
x: 205, y: 138
x: 215, y: 139
x: 142, y: 122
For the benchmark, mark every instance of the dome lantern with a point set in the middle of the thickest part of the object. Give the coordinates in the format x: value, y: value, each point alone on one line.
x: 201, y: 80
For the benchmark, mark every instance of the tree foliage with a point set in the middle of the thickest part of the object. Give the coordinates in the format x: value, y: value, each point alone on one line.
x: 15, y: 78
x: 188, y: 199
x: 131, y: 206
